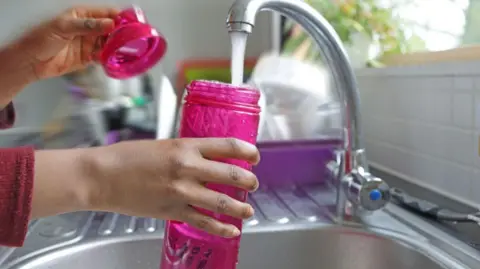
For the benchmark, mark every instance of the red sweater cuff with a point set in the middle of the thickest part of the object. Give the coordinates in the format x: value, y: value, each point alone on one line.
x: 16, y: 187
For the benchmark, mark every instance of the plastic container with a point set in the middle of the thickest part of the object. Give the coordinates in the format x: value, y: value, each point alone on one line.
x: 133, y: 47
x: 301, y: 103
x: 212, y: 109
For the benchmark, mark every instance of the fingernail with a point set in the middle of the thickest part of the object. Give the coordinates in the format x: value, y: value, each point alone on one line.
x: 249, y: 145
x: 235, y: 232
x: 251, y: 211
x: 255, y: 188
x: 106, y: 25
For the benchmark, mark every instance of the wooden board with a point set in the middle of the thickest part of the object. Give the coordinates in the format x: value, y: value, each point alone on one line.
x: 467, y: 53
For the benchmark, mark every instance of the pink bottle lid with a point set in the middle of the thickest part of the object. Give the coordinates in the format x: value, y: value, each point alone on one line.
x: 133, y: 47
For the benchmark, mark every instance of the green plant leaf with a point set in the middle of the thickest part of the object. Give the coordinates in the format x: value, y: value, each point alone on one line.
x: 355, y: 25
x: 313, y: 53
x: 374, y: 64
x: 364, y: 16
x: 416, y: 43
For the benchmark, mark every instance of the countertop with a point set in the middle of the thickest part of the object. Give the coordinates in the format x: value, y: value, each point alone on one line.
x: 466, y: 232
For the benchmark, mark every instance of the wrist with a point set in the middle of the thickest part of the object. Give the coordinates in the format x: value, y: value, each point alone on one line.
x: 17, y: 62
x: 89, y: 169
x: 16, y: 72
x: 62, y: 182
x: 95, y: 167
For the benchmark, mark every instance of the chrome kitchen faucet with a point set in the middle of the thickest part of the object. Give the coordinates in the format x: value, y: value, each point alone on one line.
x: 364, y: 191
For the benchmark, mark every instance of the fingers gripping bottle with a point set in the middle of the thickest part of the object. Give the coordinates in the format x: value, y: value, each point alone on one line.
x: 212, y: 109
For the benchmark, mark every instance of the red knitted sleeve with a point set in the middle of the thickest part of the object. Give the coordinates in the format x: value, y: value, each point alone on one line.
x: 16, y: 185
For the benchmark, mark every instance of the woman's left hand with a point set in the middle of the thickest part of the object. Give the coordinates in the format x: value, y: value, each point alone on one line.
x: 67, y: 42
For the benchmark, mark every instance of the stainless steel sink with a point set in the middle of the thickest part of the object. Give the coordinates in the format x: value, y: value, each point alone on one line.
x: 317, y: 248
x: 282, y: 235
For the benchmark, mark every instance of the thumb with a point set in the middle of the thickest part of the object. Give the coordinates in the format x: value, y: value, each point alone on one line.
x: 85, y: 26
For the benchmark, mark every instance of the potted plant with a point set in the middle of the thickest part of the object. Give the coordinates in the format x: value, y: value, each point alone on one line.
x: 361, y: 25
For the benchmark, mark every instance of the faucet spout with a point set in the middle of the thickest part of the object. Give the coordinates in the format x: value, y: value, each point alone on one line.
x: 358, y: 185
x: 241, y: 17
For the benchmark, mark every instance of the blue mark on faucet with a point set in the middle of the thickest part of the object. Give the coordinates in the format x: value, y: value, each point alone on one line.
x: 375, y: 195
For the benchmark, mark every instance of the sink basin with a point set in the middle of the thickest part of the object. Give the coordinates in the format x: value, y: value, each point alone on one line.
x: 332, y: 248
x: 288, y: 231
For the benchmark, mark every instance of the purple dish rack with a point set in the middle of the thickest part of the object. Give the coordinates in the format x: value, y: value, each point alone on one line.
x: 294, y: 162
x: 283, y: 163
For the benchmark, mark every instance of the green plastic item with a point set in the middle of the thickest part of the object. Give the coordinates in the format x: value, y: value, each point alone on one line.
x: 139, y: 101
x: 217, y: 74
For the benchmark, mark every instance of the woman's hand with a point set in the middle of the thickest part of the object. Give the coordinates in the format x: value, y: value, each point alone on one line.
x: 61, y: 45
x: 160, y: 179
x: 67, y: 42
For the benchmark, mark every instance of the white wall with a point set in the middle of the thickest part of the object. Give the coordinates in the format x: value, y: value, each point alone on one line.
x: 424, y: 123
x: 193, y: 28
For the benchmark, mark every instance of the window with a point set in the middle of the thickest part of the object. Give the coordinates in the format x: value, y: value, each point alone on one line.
x: 439, y: 24
x: 442, y: 24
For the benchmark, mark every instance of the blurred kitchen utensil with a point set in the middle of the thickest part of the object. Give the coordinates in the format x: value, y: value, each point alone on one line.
x: 111, y: 104
x: 166, y: 109
x: 97, y: 85
x: 299, y: 101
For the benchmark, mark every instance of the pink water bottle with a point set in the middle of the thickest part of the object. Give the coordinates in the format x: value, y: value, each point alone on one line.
x: 133, y: 47
x: 212, y: 109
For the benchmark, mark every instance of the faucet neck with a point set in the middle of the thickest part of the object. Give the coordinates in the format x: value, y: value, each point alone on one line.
x: 241, y: 17
x: 356, y: 184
